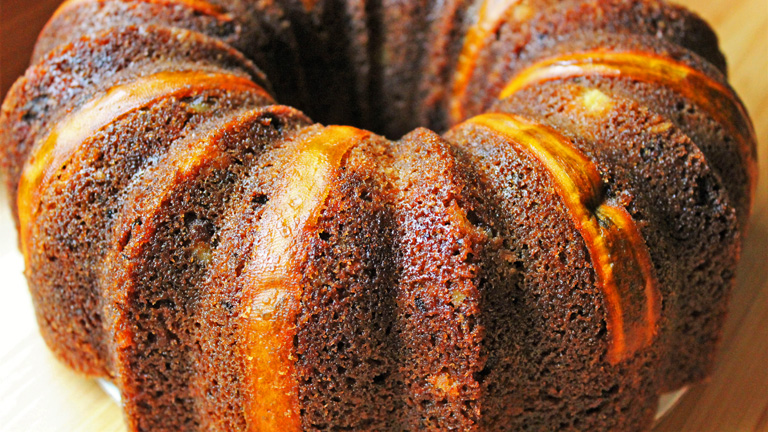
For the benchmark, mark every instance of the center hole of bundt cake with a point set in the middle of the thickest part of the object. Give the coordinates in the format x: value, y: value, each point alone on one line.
x: 378, y: 111
x: 334, y: 91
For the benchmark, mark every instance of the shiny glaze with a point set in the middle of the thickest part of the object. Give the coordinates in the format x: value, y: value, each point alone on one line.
x: 200, y: 6
x: 271, y: 282
x: 491, y: 16
x: 618, y: 252
x: 718, y: 100
x: 70, y: 134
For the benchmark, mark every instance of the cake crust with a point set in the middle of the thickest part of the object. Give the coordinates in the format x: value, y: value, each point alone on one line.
x: 560, y: 254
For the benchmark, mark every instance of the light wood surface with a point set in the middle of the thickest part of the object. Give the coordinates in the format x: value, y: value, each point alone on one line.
x: 39, y: 394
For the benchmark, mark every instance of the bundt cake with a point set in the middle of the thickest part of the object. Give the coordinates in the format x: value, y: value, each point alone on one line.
x: 558, y: 258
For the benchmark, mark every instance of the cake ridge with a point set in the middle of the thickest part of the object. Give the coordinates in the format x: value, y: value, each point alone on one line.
x: 220, y: 257
x: 207, y: 158
x: 490, y: 17
x: 47, y: 157
x: 594, y: 217
x: 717, y: 99
x: 37, y: 99
x: 200, y: 6
x: 270, y: 284
x: 440, y: 248
x: 656, y: 188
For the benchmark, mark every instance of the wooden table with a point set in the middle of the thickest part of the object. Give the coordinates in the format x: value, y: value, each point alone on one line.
x: 39, y: 394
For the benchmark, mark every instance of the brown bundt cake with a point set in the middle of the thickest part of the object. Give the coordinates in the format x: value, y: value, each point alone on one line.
x: 556, y: 260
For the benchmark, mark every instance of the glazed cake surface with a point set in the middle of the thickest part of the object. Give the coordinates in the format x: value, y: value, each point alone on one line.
x: 532, y: 221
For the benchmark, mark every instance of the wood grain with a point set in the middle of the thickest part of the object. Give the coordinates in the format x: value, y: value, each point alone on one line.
x: 38, y: 394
